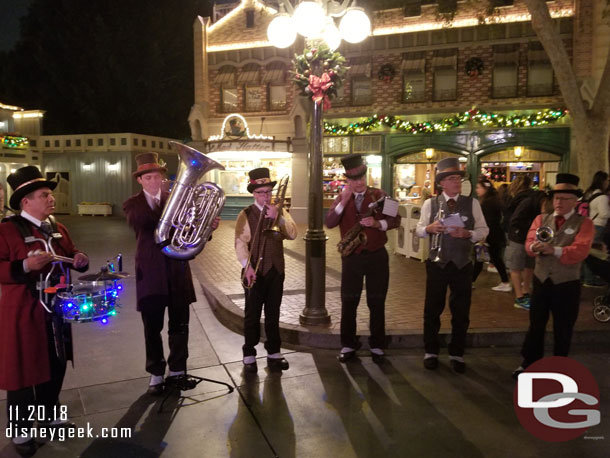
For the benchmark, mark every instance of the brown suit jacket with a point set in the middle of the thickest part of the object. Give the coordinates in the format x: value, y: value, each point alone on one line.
x: 156, y: 274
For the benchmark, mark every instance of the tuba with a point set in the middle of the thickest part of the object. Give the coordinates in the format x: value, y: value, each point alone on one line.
x: 186, y: 222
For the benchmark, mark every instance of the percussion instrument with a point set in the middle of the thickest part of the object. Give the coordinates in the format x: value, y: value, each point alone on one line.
x: 89, y: 301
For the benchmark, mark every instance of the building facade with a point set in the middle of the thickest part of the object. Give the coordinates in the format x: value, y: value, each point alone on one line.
x: 422, y: 65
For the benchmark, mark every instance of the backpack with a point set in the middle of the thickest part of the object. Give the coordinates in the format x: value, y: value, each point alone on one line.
x: 583, y: 207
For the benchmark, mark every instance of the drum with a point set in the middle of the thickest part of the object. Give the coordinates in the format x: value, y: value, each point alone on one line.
x: 89, y: 301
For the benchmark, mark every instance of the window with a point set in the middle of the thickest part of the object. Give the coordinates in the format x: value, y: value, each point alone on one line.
x: 78, y: 142
x: 414, y: 77
x: 255, y: 98
x: 135, y: 142
x: 113, y: 141
x: 161, y: 145
x: 277, y: 97
x: 444, y: 63
x: 539, y: 71
x: 228, y: 100
x: 144, y: 142
x: 89, y: 142
x: 506, y: 65
x: 68, y: 143
x: 100, y: 142
x: 360, y: 73
x: 47, y: 143
x: 153, y: 144
x: 123, y: 141
x: 361, y: 91
x: 33, y: 143
x: 56, y: 143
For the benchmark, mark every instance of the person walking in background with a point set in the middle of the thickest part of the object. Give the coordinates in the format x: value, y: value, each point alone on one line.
x: 496, y: 239
x: 557, y: 273
x: 521, y: 212
x: 596, y: 196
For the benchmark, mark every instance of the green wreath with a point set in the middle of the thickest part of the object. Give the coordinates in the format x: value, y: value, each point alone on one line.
x: 386, y: 73
x: 474, y: 67
x: 320, y: 61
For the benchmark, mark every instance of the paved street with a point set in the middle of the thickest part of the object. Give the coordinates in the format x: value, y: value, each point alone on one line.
x: 318, y: 408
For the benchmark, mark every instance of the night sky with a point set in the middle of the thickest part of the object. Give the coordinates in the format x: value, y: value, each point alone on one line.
x: 11, y: 11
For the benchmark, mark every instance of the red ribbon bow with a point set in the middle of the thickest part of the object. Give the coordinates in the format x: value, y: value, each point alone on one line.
x: 318, y: 87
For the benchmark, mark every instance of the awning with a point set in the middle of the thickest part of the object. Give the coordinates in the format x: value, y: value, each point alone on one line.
x: 249, y: 74
x: 363, y: 69
x: 414, y: 65
x: 226, y: 76
x: 444, y: 61
x: 274, y: 73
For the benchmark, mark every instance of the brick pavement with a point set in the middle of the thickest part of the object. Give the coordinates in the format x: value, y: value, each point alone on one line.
x: 491, y: 311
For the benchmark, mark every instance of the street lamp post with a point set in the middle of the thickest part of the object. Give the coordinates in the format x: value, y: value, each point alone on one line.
x: 315, y: 20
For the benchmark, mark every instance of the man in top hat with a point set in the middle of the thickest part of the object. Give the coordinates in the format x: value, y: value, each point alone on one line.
x: 557, y: 272
x: 264, y: 286
x: 357, y: 205
x: 33, y: 350
x: 161, y: 282
x: 453, y: 231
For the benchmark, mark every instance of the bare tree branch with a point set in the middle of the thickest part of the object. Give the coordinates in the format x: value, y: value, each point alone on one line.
x: 544, y: 27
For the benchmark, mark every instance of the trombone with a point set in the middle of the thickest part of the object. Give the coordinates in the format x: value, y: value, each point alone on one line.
x: 264, y: 229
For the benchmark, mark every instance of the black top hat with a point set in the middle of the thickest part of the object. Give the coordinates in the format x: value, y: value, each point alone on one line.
x: 354, y: 166
x: 24, y: 181
x: 259, y: 177
x: 447, y: 167
x: 566, y: 183
x: 148, y: 162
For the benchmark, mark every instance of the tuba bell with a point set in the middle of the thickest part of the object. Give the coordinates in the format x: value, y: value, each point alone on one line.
x: 186, y: 222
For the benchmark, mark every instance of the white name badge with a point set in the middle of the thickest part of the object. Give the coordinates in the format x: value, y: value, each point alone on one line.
x: 569, y: 231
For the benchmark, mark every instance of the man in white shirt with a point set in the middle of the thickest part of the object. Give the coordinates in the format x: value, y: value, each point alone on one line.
x: 449, y: 264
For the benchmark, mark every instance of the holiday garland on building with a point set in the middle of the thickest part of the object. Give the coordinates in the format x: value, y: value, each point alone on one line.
x: 473, y: 117
x: 319, y: 72
x: 11, y: 141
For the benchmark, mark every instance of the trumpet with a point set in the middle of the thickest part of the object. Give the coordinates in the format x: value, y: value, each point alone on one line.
x: 545, y: 234
x: 435, y: 246
x: 56, y: 257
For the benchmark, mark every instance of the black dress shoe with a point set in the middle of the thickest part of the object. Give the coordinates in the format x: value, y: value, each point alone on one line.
x: 516, y: 372
x: 155, y: 390
x: 377, y: 358
x: 431, y: 363
x: 251, y: 367
x: 458, y: 366
x: 347, y: 356
x: 277, y: 364
x: 27, y: 448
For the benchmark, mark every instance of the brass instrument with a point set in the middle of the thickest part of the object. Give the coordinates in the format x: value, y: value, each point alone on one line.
x: 186, y: 222
x: 545, y: 234
x: 271, y: 230
x: 435, y: 245
x: 356, y: 235
x: 274, y: 231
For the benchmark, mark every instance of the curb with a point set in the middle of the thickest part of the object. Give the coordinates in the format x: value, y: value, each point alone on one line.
x: 232, y: 317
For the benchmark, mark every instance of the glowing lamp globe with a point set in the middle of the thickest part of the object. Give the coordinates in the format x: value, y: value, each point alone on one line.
x: 281, y: 32
x: 331, y: 35
x: 355, y: 25
x: 309, y: 18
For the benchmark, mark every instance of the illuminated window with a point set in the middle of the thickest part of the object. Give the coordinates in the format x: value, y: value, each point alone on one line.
x: 277, y: 97
x: 444, y: 64
x: 506, y: 65
x: 414, y: 77
x: 228, y: 100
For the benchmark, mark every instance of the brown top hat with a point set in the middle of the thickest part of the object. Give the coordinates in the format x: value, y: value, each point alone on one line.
x: 447, y: 167
x: 148, y: 162
x: 259, y: 177
x: 24, y: 181
x: 566, y: 183
x: 354, y: 166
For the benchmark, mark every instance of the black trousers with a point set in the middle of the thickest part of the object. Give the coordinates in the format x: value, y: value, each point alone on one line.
x: 562, y: 300
x: 375, y: 267
x: 496, y: 258
x: 153, y: 317
x: 265, y: 294
x: 46, y: 395
x: 459, y: 282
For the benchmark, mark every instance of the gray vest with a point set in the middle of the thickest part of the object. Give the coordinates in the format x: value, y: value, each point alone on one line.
x: 458, y: 251
x: 548, y: 266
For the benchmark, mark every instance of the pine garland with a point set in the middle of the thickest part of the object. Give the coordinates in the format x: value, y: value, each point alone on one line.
x: 474, y: 116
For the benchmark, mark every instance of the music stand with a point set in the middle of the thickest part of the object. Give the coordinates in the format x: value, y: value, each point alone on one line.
x: 187, y: 382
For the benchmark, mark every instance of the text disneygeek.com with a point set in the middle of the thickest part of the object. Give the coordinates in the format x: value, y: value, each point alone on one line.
x: 61, y: 434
